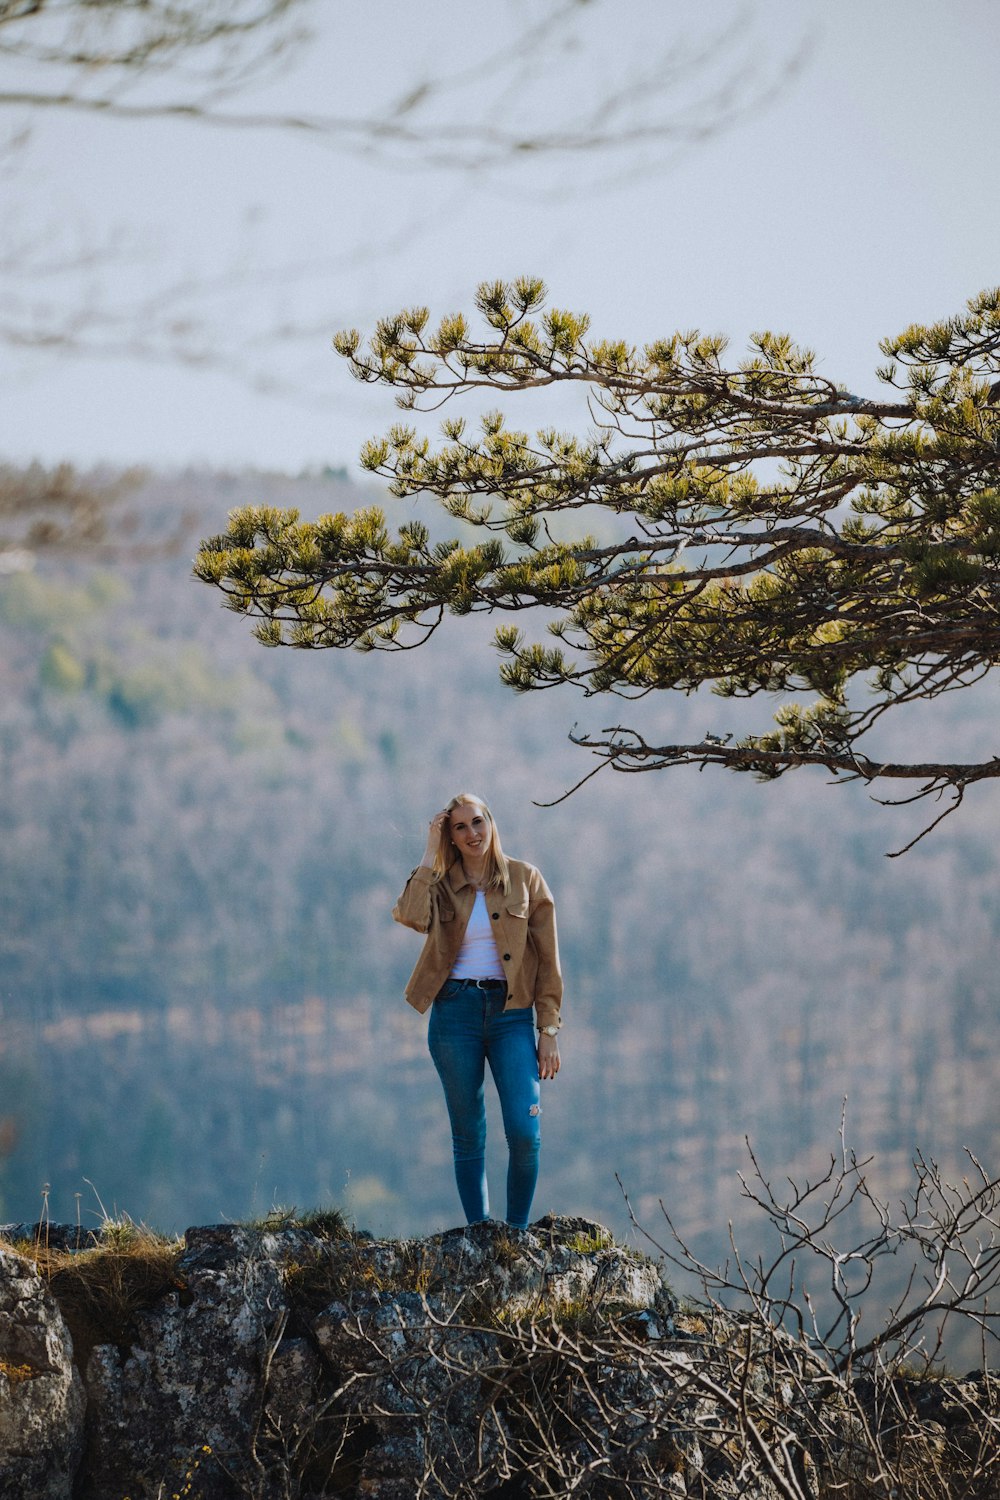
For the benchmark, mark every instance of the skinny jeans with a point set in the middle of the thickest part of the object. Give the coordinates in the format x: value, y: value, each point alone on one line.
x: 468, y: 1029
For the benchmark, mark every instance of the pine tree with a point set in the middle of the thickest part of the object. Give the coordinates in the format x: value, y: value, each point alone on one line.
x: 762, y: 529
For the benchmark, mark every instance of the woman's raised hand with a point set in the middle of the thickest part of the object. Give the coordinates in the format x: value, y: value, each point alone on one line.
x: 434, y: 829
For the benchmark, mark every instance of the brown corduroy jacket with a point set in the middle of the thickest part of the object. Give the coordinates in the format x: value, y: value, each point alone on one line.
x: 525, y: 932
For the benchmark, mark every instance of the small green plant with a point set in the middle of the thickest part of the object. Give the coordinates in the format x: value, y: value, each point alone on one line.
x: 120, y: 1233
x: 590, y: 1244
x: 577, y: 1315
x: 506, y: 1250
x: 326, y: 1223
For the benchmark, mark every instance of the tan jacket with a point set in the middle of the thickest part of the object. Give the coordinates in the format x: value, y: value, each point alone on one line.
x: 525, y: 934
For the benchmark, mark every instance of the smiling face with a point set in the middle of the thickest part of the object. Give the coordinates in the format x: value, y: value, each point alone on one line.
x: 471, y: 832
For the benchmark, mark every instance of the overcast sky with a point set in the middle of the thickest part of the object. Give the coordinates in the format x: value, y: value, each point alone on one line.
x: 856, y: 195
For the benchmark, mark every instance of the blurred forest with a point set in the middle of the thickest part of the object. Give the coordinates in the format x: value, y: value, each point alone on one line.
x: 201, y: 1008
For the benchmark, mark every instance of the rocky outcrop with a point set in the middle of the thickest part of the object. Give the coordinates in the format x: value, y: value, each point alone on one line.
x: 286, y: 1362
x: 191, y: 1385
x: 41, y: 1394
x: 426, y: 1363
x: 273, y: 1354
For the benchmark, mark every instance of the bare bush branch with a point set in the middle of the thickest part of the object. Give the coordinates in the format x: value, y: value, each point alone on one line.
x: 762, y: 1386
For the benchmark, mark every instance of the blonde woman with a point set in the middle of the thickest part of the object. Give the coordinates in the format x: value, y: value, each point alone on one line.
x: 489, y: 974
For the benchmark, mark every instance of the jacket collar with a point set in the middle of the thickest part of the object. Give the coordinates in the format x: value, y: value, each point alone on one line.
x: 457, y: 877
x: 458, y: 880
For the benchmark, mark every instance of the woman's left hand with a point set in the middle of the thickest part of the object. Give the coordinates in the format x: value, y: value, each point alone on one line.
x: 548, y: 1056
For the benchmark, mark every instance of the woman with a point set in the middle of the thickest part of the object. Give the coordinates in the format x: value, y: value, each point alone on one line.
x: 490, y: 957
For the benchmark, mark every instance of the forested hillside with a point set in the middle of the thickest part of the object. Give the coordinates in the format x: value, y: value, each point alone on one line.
x: 201, y: 987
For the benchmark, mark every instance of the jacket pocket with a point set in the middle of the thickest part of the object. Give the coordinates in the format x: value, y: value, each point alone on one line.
x: 517, y: 906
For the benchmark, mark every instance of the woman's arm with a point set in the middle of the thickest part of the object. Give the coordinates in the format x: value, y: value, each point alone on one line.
x: 413, y: 909
x: 542, y: 927
x: 548, y: 980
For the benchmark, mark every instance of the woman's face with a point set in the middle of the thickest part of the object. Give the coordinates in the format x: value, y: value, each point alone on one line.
x: 471, y: 831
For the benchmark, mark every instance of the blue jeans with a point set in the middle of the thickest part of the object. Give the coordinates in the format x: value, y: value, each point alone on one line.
x: 468, y: 1028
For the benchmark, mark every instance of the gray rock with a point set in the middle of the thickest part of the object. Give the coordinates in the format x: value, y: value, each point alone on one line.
x: 52, y: 1236
x: 556, y: 1263
x: 190, y: 1389
x: 428, y: 1354
x: 485, y: 1360
x: 417, y: 1381
x: 41, y: 1394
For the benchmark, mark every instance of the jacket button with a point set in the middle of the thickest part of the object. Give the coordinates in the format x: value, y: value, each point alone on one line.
x: 496, y: 916
x: 506, y: 958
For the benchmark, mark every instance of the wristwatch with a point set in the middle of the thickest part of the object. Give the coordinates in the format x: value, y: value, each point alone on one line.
x: 548, y: 1030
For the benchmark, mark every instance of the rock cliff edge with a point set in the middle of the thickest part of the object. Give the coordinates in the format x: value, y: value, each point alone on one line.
x: 298, y: 1360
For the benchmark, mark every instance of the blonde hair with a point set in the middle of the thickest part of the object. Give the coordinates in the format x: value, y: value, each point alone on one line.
x: 497, y: 870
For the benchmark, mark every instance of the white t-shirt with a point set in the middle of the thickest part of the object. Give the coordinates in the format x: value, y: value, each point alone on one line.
x: 478, y: 957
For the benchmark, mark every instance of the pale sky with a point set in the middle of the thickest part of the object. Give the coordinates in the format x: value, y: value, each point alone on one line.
x: 860, y: 198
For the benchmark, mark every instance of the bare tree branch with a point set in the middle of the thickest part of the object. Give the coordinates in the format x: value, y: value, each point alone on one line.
x: 136, y: 61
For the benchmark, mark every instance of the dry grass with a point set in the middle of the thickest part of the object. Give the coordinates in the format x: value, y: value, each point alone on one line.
x: 339, y: 1269
x: 100, y: 1291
